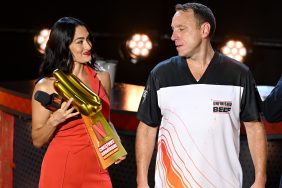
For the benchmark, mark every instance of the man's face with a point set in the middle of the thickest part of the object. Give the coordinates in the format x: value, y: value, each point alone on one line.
x: 186, y: 33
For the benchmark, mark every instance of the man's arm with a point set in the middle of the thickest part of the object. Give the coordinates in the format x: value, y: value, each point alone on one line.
x: 258, y: 149
x: 272, y: 105
x: 144, y: 147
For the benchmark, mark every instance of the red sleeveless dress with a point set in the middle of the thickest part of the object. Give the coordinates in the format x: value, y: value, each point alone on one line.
x: 70, y: 160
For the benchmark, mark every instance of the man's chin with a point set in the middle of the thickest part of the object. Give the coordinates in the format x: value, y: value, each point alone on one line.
x: 181, y: 54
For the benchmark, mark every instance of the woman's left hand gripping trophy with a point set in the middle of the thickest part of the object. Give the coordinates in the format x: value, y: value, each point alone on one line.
x: 105, y: 142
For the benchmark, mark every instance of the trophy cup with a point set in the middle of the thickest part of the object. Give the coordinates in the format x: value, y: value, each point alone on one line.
x: 104, y: 141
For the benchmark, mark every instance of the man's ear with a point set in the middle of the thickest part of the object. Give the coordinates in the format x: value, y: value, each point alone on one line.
x: 206, y: 27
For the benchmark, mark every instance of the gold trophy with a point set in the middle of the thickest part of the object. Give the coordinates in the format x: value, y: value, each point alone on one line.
x: 105, y: 142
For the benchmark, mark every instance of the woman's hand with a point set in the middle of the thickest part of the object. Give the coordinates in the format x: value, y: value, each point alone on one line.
x: 120, y: 159
x: 63, y: 113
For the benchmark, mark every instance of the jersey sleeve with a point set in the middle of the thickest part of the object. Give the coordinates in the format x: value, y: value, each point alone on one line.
x: 148, y: 110
x: 251, y: 101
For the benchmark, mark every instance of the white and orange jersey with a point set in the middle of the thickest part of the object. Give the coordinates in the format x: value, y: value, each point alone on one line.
x: 199, y: 121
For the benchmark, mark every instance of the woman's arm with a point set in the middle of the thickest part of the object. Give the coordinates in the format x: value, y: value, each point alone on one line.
x: 44, y: 121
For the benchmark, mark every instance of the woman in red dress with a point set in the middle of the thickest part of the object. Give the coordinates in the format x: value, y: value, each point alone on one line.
x: 70, y: 161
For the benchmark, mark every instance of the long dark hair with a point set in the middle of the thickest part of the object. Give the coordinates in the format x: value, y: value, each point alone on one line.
x: 57, y: 54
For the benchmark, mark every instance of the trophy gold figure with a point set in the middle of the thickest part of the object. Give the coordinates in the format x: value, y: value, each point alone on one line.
x: 104, y: 141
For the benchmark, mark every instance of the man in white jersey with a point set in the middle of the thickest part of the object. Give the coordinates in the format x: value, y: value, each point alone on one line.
x: 196, y: 102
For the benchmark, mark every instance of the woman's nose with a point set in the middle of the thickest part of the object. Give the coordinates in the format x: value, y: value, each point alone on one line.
x: 88, y: 45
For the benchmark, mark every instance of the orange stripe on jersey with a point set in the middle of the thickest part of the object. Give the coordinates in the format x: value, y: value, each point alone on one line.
x: 173, y: 176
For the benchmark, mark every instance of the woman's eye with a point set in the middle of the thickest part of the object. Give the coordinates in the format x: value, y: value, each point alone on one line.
x: 79, y: 42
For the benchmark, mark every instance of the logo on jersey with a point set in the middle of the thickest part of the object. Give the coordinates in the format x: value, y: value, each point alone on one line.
x: 144, y: 95
x: 222, y: 106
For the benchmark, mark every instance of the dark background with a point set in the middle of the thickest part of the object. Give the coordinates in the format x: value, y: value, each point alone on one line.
x: 256, y: 22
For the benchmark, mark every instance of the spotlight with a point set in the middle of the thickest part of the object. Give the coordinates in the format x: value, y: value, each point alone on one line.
x: 139, y: 46
x: 41, y: 39
x: 234, y: 49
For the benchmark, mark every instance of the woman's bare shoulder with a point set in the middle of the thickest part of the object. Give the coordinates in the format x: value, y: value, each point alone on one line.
x: 103, y: 74
x: 46, y: 85
x: 105, y: 79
